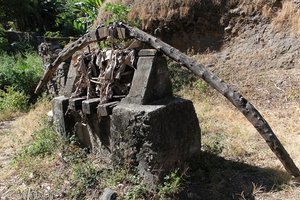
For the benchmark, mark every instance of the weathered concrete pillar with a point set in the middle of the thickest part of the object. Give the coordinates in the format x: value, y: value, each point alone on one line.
x: 150, y: 129
x: 72, y: 78
x: 155, y: 138
x: 151, y: 81
x: 61, y: 120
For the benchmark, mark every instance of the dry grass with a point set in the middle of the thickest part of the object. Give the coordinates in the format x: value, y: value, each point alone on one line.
x: 150, y: 11
x: 8, y: 115
x: 20, y: 134
x: 287, y: 17
x: 226, y: 131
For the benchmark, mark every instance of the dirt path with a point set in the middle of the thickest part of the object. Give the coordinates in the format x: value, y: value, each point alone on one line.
x: 7, y: 152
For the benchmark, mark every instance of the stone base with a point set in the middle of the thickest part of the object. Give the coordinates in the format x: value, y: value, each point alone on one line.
x: 154, y: 138
x: 62, y: 122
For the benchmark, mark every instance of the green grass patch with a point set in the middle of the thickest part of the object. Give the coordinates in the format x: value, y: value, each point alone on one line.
x: 45, y: 142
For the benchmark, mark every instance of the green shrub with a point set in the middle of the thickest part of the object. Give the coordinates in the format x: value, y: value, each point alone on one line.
x: 21, y: 72
x: 12, y: 100
x: 119, y: 12
x: 3, y: 40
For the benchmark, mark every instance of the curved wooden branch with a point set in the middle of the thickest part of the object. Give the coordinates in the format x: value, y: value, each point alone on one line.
x: 242, y: 104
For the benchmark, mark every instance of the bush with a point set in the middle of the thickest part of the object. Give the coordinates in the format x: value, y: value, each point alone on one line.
x: 119, y: 12
x: 12, y: 100
x: 170, y: 186
x: 3, y: 40
x: 20, y: 72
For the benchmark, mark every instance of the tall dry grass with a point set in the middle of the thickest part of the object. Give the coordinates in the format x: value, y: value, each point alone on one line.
x: 19, y: 135
x: 287, y: 17
x: 24, y: 126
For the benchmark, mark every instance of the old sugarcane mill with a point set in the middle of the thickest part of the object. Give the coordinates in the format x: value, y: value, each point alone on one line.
x: 118, y: 101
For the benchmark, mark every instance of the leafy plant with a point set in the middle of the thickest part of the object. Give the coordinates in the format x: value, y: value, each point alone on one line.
x: 86, y: 12
x: 12, y: 100
x: 20, y: 72
x: 136, y: 192
x: 119, y: 12
x: 45, y: 142
x: 85, y: 176
x: 171, y: 185
x: 111, y: 178
x: 3, y: 40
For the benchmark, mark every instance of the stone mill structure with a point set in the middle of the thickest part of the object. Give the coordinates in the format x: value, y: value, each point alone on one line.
x: 147, y: 129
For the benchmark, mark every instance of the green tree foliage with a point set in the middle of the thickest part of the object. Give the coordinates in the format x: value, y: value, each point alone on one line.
x: 3, y: 40
x: 30, y: 15
x: 87, y: 10
x: 68, y: 17
x: 21, y: 72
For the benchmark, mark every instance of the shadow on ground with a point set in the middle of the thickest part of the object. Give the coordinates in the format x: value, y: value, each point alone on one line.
x: 213, y: 177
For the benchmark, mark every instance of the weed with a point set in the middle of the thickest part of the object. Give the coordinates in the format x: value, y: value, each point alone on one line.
x: 136, y: 192
x: 111, y: 178
x: 180, y: 77
x: 11, y: 103
x: 201, y: 86
x: 170, y: 186
x: 85, y: 176
x: 45, y: 142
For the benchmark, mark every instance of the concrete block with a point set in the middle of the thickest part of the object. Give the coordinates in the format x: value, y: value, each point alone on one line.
x: 76, y: 103
x: 90, y: 106
x: 151, y: 80
x: 155, y: 138
x: 61, y: 121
